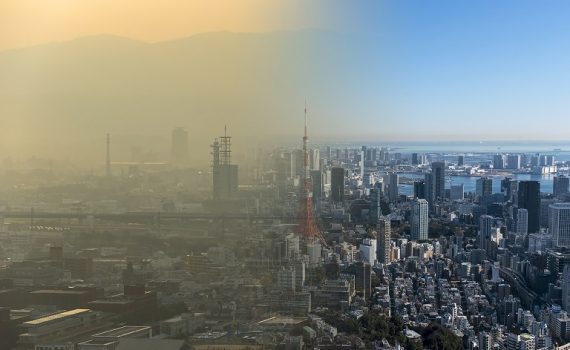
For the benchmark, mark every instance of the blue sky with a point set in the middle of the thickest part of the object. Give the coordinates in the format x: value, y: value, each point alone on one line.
x: 463, y: 69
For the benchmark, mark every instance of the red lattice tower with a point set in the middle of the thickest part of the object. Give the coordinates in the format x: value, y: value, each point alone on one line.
x: 307, y: 227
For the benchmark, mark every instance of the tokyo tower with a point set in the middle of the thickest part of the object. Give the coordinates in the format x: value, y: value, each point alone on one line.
x: 307, y: 227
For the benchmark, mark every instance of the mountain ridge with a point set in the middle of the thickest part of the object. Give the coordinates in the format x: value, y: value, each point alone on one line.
x: 68, y: 95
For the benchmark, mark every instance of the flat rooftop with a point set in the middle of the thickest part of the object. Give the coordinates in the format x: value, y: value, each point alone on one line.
x: 282, y: 320
x: 59, y: 291
x: 98, y: 342
x: 57, y: 316
x: 121, y: 332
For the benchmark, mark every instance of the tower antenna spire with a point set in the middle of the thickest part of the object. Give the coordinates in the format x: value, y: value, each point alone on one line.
x: 306, y: 134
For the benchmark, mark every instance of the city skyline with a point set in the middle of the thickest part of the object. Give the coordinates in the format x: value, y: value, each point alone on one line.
x: 397, y: 72
x: 284, y: 174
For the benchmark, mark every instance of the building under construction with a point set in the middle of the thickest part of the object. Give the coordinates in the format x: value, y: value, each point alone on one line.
x: 225, y: 174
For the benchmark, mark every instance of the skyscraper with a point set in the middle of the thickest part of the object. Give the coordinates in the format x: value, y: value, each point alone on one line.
x: 314, y: 159
x: 384, y: 237
x: 485, y: 226
x: 559, y: 225
x: 522, y: 221
x: 179, y: 150
x: 498, y: 161
x: 457, y: 192
x: 560, y: 186
x: 435, y: 183
x: 317, y: 182
x: 513, y: 161
x: 420, y: 189
x: 483, y: 187
x: 361, y: 163
x: 337, y: 184
x: 428, y: 188
x: 390, y: 182
x: 510, y: 188
x: 460, y: 160
x: 414, y: 159
x: 420, y: 220
x: 375, y: 203
x: 529, y: 199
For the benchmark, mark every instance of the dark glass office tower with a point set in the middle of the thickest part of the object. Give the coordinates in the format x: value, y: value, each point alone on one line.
x: 529, y: 199
x: 337, y: 185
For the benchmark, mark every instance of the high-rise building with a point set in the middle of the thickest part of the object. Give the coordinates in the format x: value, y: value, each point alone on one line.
x: 317, y: 182
x: 521, y: 221
x: 314, y: 159
x: 286, y: 279
x: 420, y: 189
x: 299, y: 267
x: 529, y: 199
x: 428, y: 188
x: 485, y: 230
x: 513, y: 161
x: 363, y: 282
x: 498, y: 161
x: 375, y: 203
x: 225, y: 174
x: 559, y: 226
x: 390, y: 182
x: 314, y: 251
x: 367, y: 250
x: 436, y: 190
x: 384, y: 237
x: 510, y: 188
x: 414, y: 159
x: 483, y: 187
x: 337, y: 185
x: 460, y: 160
x: 457, y: 192
x: 419, y: 220
x: 361, y: 162
x: 179, y: 150
x: 565, y: 284
x: 298, y: 163
x: 560, y: 186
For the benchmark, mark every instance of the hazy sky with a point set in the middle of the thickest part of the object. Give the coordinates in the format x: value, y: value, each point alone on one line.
x: 30, y: 22
x: 418, y: 70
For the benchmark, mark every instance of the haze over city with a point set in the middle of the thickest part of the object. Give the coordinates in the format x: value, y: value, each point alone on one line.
x: 388, y: 71
x: 284, y: 174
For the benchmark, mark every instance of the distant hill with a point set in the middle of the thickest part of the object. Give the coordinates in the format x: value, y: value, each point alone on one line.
x: 60, y: 99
